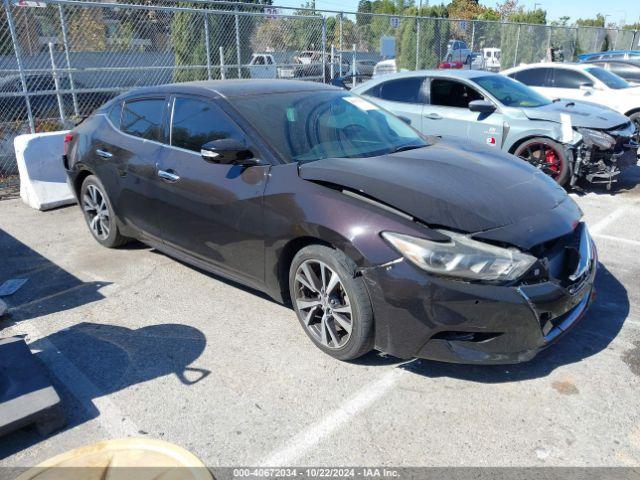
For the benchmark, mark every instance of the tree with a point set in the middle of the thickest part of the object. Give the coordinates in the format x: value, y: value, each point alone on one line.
x: 465, y: 9
x: 434, y: 35
x: 537, y: 16
x: 87, y: 30
x: 506, y: 8
x: 591, y: 22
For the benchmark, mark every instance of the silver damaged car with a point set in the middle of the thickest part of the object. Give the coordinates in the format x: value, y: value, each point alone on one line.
x: 568, y: 140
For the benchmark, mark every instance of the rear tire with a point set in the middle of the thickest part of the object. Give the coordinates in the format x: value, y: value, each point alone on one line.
x: 546, y: 155
x: 335, y: 313
x: 98, y: 213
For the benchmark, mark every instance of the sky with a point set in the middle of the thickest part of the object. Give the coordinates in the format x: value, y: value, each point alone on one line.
x: 627, y: 11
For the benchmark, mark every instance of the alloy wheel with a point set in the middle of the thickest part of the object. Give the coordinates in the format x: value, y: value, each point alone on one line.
x: 544, y: 157
x: 323, y: 303
x: 636, y: 135
x: 97, y: 211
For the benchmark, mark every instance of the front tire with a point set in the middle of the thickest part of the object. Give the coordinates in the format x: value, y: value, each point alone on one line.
x: 331, y: 302
x: 635, y: 119
x: 99, y: 214
x: 546, y: 155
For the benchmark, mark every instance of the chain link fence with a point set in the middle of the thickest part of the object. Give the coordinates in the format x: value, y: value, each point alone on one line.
x: 61, y: 60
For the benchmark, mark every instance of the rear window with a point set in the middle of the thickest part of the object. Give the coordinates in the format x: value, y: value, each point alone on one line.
x: 143, y: 118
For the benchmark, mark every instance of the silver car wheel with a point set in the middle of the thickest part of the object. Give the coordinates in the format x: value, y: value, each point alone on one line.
x: 323, y: 304
x: 97, y: 211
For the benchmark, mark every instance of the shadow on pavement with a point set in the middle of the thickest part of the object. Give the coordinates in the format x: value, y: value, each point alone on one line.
x: 108, y: 358
x: 49, y: 288
x: 591, y: 335
x: 628, y: 182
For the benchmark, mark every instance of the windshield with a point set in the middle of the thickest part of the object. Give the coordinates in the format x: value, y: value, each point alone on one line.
x: 307, y: 126
x: 510, y: 92
x: 611, y: 80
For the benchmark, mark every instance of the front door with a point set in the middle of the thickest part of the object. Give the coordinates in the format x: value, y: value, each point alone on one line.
x: 448, y: 114
x: 210, y: 211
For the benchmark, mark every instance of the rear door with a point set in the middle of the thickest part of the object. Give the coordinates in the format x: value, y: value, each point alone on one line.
x: 448, y: 114
x: 211, y: 212
x: 126, y: 157
x: 402, y: 96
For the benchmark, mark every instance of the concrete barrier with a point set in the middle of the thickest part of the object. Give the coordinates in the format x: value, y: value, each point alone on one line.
x: 43, y: 183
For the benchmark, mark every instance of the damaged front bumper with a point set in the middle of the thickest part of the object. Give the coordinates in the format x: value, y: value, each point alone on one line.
x: 419, y: 315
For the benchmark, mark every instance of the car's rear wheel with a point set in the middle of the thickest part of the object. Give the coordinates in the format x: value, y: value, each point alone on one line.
x: 548, y: 156
x: 331, y: 302
x: 99, y: 214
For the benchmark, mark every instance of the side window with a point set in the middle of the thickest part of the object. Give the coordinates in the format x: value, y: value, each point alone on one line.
x: 534, y: 77
x: 563, y: 78
x: 269, y: 61
x: 406, y: 90
x: 259, y: 60
x: 449, y: 93
x: 196, y: 122
x: 143, y: 118
x: 115, y: 114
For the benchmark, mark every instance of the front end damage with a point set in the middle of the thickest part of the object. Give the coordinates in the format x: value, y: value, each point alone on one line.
x: 601, y: 155
x: 426, y: 316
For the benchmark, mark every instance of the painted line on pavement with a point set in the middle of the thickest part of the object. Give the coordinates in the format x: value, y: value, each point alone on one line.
x: 607, y: 220
x: 301, y: 443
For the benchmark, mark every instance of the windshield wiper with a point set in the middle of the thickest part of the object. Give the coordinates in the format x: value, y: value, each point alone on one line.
x: 404, y: 148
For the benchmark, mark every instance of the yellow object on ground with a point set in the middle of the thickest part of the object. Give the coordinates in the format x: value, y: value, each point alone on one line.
x: 130, y: 459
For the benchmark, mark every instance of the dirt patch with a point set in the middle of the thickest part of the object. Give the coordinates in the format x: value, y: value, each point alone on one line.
x: 632, y: 358
x: 565, y: 388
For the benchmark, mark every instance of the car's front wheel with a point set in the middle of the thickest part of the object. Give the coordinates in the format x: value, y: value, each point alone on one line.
x: 635, y: 119
x: 548, y: 156
x: 331, y: 302
x: 98, y: 213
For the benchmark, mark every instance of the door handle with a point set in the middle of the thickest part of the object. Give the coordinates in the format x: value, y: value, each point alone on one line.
x: 433, y: 116
x: 104, y: 153
x: 168, y: 175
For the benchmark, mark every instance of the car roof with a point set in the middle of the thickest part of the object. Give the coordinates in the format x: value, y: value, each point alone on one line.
x: 442, y: 73
x: 569, y: 66
x: 233, y: 88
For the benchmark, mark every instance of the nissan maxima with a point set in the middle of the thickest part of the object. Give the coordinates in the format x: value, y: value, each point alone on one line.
x: 378, y: 236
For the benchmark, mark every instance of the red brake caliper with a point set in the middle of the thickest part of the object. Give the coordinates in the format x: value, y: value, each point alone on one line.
x: 552, y: 161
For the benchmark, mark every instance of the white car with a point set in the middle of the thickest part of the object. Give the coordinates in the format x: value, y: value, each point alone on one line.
x: 491, y: 59
x: 585, y: 82
x: 458, y: 51
x: 385, y: 67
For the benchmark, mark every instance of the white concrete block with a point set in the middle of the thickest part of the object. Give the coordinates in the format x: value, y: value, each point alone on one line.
x: 43, y: 182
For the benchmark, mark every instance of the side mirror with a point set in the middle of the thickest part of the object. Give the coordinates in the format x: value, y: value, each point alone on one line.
x: 587, y: 86
x: 482, y: 106
x: 228, y: 151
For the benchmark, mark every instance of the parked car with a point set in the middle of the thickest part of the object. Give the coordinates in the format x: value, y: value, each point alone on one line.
x: 363, y: 68
x: 379, y: 237
x: 457, y: 51
x: 504, y: 114
x: 491, y: 59
x: 627, y: 69
x: 44, y: 101
x: 263, y: 65
x: 385, y: 67
x: 610, y: 55
x: 582, y: 82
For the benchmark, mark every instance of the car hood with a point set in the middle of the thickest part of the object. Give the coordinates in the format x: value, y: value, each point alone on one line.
x: 471, y: 188
x: 582, y: 114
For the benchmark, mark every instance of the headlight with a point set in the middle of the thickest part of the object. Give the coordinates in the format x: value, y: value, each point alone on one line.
x: 600, y: 139
x: 462, y: 257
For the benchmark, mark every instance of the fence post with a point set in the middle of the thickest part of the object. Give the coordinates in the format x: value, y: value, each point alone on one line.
x: 56, y: 82
x: 238, y: 56
x: 16, y: 49
x: 207, y: 45
x: 418, y: 41
x: 223, y: 69
x: 515, y: 57
x: 340, y: 44
x: 473, y: 34
x: 324, y: 50
x: 333, y: 59
x: 353, y: 67
x: 65, y: 42
x: 549, y: 42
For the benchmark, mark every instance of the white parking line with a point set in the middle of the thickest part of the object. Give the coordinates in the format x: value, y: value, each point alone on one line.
x: 110, y: 418
x: 634, y: 243
x: 300, y: 444
x: 607, y: 220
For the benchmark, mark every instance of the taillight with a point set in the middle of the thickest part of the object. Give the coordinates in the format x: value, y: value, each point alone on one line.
x: 68, y: 138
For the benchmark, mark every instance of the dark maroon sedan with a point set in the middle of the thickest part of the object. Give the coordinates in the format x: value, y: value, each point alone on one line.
x: 379, y: 237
